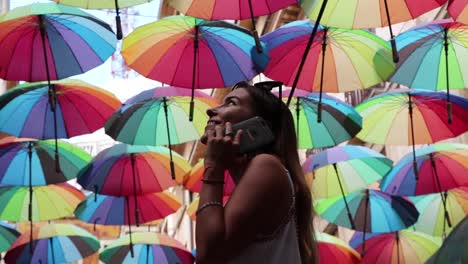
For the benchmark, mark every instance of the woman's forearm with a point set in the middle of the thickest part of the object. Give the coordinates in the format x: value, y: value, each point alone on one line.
x: 210, y: 225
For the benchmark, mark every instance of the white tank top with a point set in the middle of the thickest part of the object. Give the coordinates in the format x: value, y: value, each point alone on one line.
x: 280, y: 247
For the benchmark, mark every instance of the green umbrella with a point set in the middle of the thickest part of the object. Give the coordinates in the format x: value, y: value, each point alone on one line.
x: 8, y: 235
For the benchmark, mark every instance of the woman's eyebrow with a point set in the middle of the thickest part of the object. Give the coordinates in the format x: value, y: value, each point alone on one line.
x: 231, y: 97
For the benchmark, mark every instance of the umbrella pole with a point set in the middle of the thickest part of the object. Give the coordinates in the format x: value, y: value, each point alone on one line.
x: 397, y: 238
x: 51, y: 90
x: 449, y: 104
x: 147, y: 253
x: 52, y: 249
x: 118, y: 23
x: 258, y: 45
x: 169, y: 138
x: 439, y: 187
x: 306, y: 51
x: 363, y: 252
x: 410, y: 111
x: 129, y: 228
x: 298, y: 112
x: 132, y: 159
x: 194, y: 71
x: 31, y: 242
x: 324, y: 49
x: 344, y: 198
x: 392, y: 37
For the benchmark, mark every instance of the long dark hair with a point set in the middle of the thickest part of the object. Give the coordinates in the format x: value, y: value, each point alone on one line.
x: 276, y: 113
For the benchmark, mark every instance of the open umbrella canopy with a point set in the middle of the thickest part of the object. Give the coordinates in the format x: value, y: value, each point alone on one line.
x: 126, y: 170
x: 147, y: 248
x: 403, y: 246
x: 8, y: 235
x: 102, y: 4
x: 49, y: 202
x: 344, y: 169
x: 49, y: 41
x: 228, y: 9
x: 440, y: 167
x: 369, y: 211
x: 365, y: 14
x: 339, y: 60
x: 408, y: 117
x: 159, y: 116
x: 333, y: 248
x: 458, y: 9
x: 322, y: 120
x: 112, y: 210
x: 64, y: 109
x: 433, y: 56
x: 32, y: 162
x: 436, y: 218
x: 53, y: 243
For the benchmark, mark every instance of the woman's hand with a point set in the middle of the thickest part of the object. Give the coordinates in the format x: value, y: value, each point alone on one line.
x: 222, y: 148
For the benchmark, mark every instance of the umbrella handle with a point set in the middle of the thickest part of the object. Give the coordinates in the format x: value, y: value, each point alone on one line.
x: 172, y: 170
x: 415, y: 169
x: 258, y: 44
x: 447, y: 217
x: 192, y: 106
x: 118, y: 25
x: 396, y: 57
x: 319, y: 112
x: 449, y: 112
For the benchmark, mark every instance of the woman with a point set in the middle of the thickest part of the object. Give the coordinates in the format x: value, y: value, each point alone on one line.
x: 268, y: 218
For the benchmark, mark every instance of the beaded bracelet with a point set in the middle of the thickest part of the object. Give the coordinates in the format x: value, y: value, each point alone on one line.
x: 208, y: 204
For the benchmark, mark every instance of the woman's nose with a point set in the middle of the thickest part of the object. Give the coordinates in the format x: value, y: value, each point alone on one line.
x: 211, y: 112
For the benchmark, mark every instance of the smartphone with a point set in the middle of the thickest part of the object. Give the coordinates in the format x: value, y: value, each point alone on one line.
x: 255, y: 134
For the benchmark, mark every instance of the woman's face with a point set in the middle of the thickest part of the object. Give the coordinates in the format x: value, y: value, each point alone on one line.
x: 237, y: 106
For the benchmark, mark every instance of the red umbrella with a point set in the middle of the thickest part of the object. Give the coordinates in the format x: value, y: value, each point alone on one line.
x: 458, y: 9
x: 333, y: 248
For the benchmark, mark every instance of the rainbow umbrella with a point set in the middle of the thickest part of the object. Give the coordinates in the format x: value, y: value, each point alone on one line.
x: 159, y: 117
x: 403, y: 246
x: 49, y: 41
x: 337, y: 60
x: 365, y: 14
x: 125, y: 170
x: 193, y: 181
x: 453, y: 250
x: 113, y: 210
x: 458, y: 10
x: 226, y: 9
x: 53, y: 243
x: 145, y: 247
x: 60, y: 109
x: 105, y: 4
x: 439, y: 167
x: 340, y: 170
x: 369, y: 211
x: 8, y: 235
x: 324, y: 122
x: 32, y: 162
x: 193, y: 53
x: 434, y: 56
x: 440, y: 213
x: 332, y: 248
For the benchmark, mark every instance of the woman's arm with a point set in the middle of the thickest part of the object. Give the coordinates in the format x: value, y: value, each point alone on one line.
x: 257, y: 206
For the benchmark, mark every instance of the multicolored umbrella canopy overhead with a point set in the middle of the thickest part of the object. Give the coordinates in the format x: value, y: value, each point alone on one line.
x: 323, y: 122
x: 8, y: 235
x: 193, y: 53
x: 458, y: 9
x: 146, y: 248
x: 159, y: 116
x: 73, y: 40
x: 53, y: 243
x: 227, y: 9
x: 369, y: 210
x: 112, y: 210
x: 128, y: 170
x: 343, y: 169
x: 403, y: 246
x: 49, y: 202
x: 80, y: 108
x: 435, y: 218
x: 339, y: 60
x: 440, y: 167
x: 193, y: 181
x: 22, y: 161
x: 407, y: 117
x: 453, y: 250
x: 433, y: 56
x: 332, y: 248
